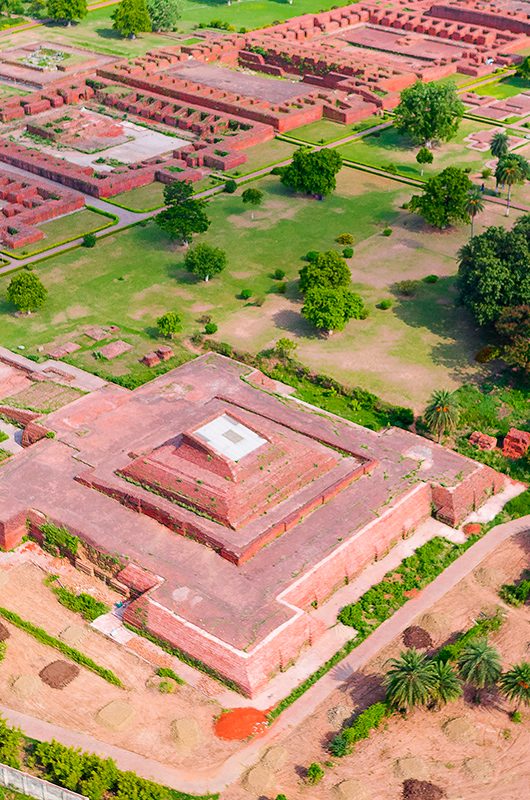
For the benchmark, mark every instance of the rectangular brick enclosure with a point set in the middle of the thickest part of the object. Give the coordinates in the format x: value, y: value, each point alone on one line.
x: 224, y: 511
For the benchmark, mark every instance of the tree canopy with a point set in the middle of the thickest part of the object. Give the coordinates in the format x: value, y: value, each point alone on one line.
x: 184, y: 215
x: 410, y: 680
x: 327, y: 269
x: 493, y: 271
x: 205, y: 261
x: 169, y: 324
x: 479, y: 664
x: 67, y: 10
x: 513, y: 325
x: 312, y: 173
x: 26, y: 292
x: 499, y: 144
x: 330, y: 309
x: 252, y: 197
x: 511, y: 170
x: 131, y: 17
x: 164, y: 14
x: 445, y: 198
x: 429, y: 112
x: 515, y: 683
x: 523, y: 69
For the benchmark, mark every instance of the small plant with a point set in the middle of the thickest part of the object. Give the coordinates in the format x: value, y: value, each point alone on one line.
x: 245, y: 294
x: 167, y: 672
x: 385, y: 304
x: 486, y: 173
x: 431, y: 279
x: 3, y: 650
x: 210, y: 328
x: 345, y: 238
x: 166, y: 686
x: 347, y: 252
x: 89, y: 240
x: 516, y: 717
x: 314, y: 774
x: 230, y: 186
x: 407, y: 288
x: 387, y: 231
x: 281, y: 288
x: 312, y: 255
x: 258, y: 301
x: 278, y: 274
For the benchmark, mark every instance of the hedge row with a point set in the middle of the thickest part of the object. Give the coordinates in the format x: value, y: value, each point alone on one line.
x: 364, y: 724
x: 45, y: 638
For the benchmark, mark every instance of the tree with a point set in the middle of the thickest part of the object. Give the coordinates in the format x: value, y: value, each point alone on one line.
x: 429, y: 112
x: 131, y: 17
x: 164, y: 14
x: 67, y: 10
x: 253, y: 198
x: 169, y: 324
x: 184, y: 215
x: 499, y: 144
x: 447, y: 686
x: 479, y: 664
x: 475, y: 205
x: 205, y: 261
x: 330, y: 309
x: 523, y: 70
x: 424, y: 156
x: 515, y: 683
x: 26, y: 292
x: 328, y: 269
x: 513, y: 325
x: 410, y: 680
x: 444, y: 201
x: 493, y: 271
x: 312, y: 173
x: 510, y: 171
x: 442, y: 413
x: 285, y: 348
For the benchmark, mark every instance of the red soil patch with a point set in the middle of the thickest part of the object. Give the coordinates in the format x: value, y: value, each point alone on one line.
x: 421, y: 790
x: 472, y: 528
x: 240, y: 723
x: 411, y: 593
x: 4, y: 633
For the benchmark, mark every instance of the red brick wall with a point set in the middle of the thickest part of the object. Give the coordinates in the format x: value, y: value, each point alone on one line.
x: 453, y: 504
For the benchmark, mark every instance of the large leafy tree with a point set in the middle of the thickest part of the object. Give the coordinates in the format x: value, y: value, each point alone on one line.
x: 442, y: 413
x: 493, y: 271
x: 67, y: 10
x: 164, y: 14
x: 523, y: 70
x: 184, y: 214
x: 131, y: 17
x: 513, y: 326
x: 330, y: 309
x: 445, y: 197
x: 479, y: 664
x: 253, y: 198
x: 205, y: 261
x: 511, y: 170
x: 328, y: 269
x: 429, y: 112
x: 169, y: 324
x: 313, y: 173
x: 26, y: 292
x: 515, y: 683
x: 410, y: 680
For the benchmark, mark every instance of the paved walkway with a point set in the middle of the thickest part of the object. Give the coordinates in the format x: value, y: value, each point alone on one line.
x: 200, y: 781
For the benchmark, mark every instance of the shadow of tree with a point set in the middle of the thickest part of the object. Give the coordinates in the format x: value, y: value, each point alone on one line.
x: 286, y: 319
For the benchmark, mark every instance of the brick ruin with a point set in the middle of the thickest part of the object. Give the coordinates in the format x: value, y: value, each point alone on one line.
x: 344, y: 65
x: 223, y: 513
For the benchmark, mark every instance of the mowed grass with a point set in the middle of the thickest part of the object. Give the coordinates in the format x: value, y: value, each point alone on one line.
x: 403, y: 353
x: 64, y: 229
x: 6, y: 90
x: 388, y: 147
x: 263, y: 155
x: 506, y: 87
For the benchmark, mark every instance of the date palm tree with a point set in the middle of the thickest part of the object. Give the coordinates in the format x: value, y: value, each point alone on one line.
x: 442, y: 413
x: 475, y: 205
x: 509, y: 172
x: 410, y: 680
x: 499, y: 144
x: 515, y: 683
x: 479, y: 664
x: 447, y: 686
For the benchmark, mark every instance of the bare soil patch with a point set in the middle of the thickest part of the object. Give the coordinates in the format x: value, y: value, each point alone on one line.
x: 59, y: 674
x: 4, y: 633
x: 415, y: 636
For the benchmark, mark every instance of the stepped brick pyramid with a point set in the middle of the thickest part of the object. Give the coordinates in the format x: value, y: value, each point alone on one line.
x: 225, y: 512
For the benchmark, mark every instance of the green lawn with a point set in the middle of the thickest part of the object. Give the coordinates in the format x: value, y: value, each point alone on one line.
x: 147, y: 198
x: 6, y: 90
x: 263, y: 155
x: 388, y: 148
x: 506, y: 87
x: 65, y: 229
x: 323, y: 131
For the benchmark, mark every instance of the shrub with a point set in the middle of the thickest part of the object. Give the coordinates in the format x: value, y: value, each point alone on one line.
x: 281, y: 288
x: 516, y: 717
x: 84, y: 604
x: 245, y: 294
x: 407, y: 287
x: 345, y: 238
x: 166, y: 686
x: 278, y: 274
x: 3, y: 650
x: 312, y: 255
x: 210, y: 328
x: 347, y: 252
x: 486, y: 173
x: 365, y: 723
x: 516, y: 595
x: 385, y: 304
x: 167, y: 672
x: 58, y: 541
x: 230, y: 186
x: 277, y: 170
x: 314, y: 773
x: 431, y: 279
x: 89, y: 240
x: 387, y: 231
x: 10, y: 744
x: 259, y: 300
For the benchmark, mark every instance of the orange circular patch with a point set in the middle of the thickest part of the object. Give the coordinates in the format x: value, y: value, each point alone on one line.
x: 472, y: 528
x: 241, y: 723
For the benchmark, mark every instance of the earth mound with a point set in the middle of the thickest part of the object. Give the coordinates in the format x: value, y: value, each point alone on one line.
x: 415, y: 636
x: 421, y: 790
x: 59, y: 674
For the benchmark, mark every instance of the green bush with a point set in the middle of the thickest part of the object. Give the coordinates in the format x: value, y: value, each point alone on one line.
x: 385, y: 304
x: 84, y: 604
x: 364, y: 724
x: 89, y: 240
x: 480, y: 630
x: 245, y: 294
x: 45, y: 638
x: 230, y: 186
x: 210, y: 328
x: 314, y: 773
x: 407, y: 287
x: 278, y: 274
x: 312, y: 255
x: 281, y: 288
x: 167, y: 672
x: 347, y: 252
x: 387, y: 231
x: 431, y: 279
x: 516, y: 594
x: 345, y: 238
x: 10, y: 744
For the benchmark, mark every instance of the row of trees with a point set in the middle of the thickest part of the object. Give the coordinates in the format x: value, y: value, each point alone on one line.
x: 129, y: 18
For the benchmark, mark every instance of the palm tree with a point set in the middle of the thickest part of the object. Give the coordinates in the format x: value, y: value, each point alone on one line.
x: 475, y: 205
x: 515, y: 683
x: 499, y: 144
x: 479, y: 664
x: 442, y: 413
x: 509, y: 171
x: 410, y: 680
x: 447, y: 685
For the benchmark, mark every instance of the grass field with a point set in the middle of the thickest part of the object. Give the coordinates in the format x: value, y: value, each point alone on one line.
x: 147, y: 198
x: 506, y: 87
x: 403, y: 353
x: 6, y: 90
x: 388, y: 147
x: 65, y: 229
x: 263, y: 155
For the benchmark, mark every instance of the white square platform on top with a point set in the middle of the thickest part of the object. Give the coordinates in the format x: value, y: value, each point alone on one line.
x: 229, y: 437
